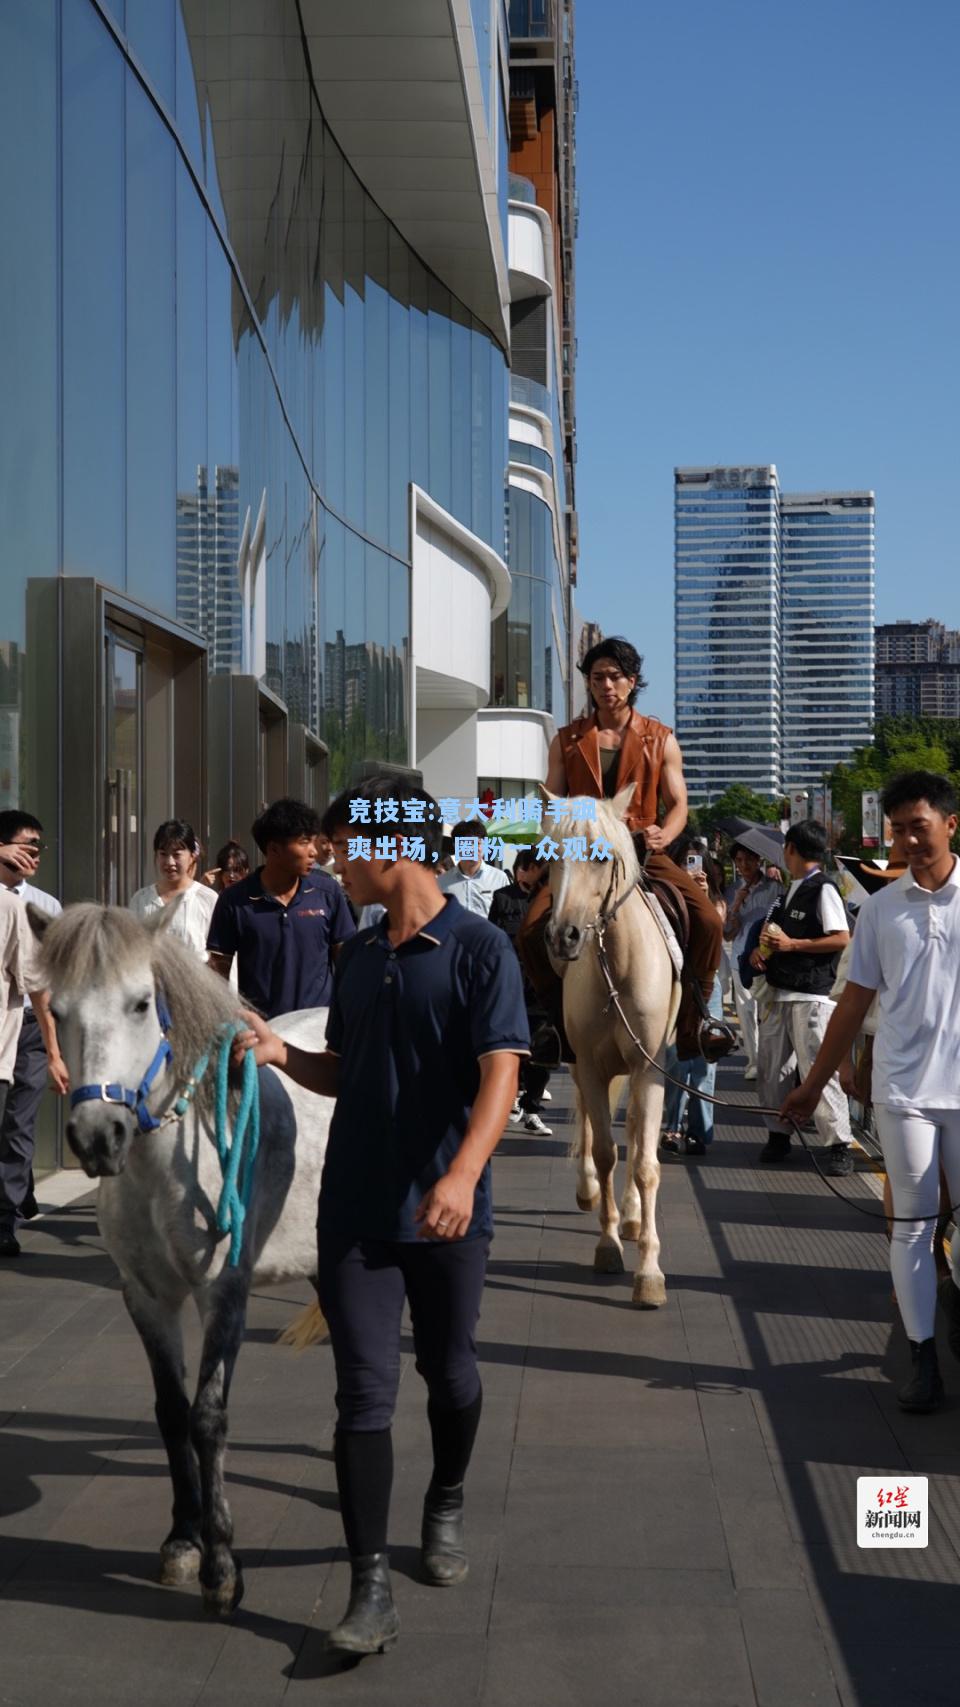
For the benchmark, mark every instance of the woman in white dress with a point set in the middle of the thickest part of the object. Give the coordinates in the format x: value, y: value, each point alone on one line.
x: 176, y: 854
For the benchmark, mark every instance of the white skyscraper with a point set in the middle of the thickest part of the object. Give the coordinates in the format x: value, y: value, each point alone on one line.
x: 774, y: 629
x: 827, y: 580
x: 727, y: 618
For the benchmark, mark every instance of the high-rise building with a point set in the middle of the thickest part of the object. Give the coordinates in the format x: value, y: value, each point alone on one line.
x: 256, y: 410
x: 773, y: 629
x: 827, y: 586
x: 727, y: 628
x: 917, y: 669
x: 534, y: 640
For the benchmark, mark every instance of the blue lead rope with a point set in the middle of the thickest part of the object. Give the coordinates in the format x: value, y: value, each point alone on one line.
x: 237, y: 1150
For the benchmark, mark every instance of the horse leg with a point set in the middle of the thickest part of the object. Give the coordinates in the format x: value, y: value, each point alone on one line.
x: 631, y: 1214
x: 646, y: 1110
x: 160, y: 1330
x: 224, y: 1313
x: 608, y: 1255
x: 588, y: 1189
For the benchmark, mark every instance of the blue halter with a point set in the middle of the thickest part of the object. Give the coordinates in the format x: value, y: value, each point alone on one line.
x: 135, y: 1100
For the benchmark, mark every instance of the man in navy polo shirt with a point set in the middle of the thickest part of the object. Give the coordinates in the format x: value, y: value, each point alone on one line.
x: 285, y: 922
x: 426, y: 1033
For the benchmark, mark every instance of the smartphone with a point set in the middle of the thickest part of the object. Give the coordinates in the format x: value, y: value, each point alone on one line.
x: 694, y: 862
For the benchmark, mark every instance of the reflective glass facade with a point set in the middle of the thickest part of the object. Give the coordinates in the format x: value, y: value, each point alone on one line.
x: 213, y: 316
x: 727, y: 628
x: 828, y: 610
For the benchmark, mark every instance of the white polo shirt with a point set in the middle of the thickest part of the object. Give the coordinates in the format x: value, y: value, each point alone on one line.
x: 907, y: 947
x: 476, y: 892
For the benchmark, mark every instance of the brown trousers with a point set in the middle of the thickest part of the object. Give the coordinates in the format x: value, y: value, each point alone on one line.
x: 702, y: 959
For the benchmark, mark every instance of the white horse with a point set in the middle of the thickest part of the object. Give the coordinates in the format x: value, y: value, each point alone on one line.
x: 118, y: 986
x: 605, y: 893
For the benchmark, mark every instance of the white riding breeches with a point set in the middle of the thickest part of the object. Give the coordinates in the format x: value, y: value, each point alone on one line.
x: 916, y: 1144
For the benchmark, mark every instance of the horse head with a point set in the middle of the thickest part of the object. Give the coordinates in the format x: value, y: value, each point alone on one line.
x: 98, y: 965
x: 585, y: 890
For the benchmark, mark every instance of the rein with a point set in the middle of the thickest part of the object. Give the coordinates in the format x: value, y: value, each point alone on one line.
x: 600, y: 925
x: 237, y: 1150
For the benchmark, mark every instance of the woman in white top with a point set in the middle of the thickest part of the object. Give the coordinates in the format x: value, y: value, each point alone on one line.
x: 176, y: 854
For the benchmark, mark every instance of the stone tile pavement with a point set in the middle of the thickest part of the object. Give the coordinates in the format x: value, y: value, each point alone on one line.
x: 661, y: 1509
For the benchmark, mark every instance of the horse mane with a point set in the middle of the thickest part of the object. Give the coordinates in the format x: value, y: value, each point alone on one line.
x: 605, y: 823
x: 88, y: 944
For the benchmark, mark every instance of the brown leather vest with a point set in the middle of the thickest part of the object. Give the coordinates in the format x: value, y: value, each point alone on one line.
x: 641, y: 762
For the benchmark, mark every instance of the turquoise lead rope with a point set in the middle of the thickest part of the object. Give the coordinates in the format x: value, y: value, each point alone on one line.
x: 237, y: 1150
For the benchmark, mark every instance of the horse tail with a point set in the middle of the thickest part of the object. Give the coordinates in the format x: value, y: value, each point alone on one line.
x: 307, y: 1329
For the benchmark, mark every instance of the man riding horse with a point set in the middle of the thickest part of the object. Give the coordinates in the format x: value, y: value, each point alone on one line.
x: 594, y: 757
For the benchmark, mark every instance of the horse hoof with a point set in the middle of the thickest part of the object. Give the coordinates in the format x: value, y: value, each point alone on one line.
x: 587, y: 1203
x: 649, y: 1291
x: 179, y: 1563
x: 223, y: 1598
x: 607, y: 1259
x: 630, y: 1230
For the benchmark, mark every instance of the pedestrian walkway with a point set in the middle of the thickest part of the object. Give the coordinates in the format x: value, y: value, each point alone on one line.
x: 661, y: 1510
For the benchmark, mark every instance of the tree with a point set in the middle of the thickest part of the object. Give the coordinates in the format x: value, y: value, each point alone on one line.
x: 737, y: 801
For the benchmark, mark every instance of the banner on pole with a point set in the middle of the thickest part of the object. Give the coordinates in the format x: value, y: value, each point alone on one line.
x: 870, y: 817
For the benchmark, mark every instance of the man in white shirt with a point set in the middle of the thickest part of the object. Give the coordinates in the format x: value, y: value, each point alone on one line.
x: 749, y: 899
x: 472, y: 882
x: 906, y: 951
x: 31, y: 1051
x: 799, y: 951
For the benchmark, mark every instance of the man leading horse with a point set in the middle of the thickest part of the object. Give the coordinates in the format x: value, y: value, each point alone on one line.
x: 595, y: 756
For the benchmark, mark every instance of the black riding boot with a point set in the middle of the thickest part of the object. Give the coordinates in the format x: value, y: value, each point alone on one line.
x: 443, y: 1556
x: 371, y: 1622
x: 924, y: 1390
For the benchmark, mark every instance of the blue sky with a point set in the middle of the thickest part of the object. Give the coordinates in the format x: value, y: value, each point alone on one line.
x: 768, y: 270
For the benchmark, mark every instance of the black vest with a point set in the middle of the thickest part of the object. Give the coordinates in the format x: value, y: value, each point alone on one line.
x: 811, y: 974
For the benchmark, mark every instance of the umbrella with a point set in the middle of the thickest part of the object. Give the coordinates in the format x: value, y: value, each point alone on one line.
x: 762, y: 843
x: 736, y: 827
x: 524, y: 834
x: 867, y: 875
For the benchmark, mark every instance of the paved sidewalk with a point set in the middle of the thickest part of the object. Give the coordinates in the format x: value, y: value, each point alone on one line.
x: 661, y: 1509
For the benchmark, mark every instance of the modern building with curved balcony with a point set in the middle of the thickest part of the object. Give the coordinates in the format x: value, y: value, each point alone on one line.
x: 255, y: 424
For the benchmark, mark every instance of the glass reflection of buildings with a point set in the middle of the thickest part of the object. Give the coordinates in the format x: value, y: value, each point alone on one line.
x: 216, y: 302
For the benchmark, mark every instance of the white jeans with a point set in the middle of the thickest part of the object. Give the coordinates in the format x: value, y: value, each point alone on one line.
x: 916, y: 1144
x: 790, y: 1035
x: 747, y: 1015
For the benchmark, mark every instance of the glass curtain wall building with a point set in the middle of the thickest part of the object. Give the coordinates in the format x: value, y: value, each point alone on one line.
x: 774, y: 597
x: 254, y: 439
x: 727, y: 628
x: 827, y: 576
x: 532, y: 641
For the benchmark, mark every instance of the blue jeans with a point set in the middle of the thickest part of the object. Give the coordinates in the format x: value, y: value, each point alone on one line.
x: 699, y: 1075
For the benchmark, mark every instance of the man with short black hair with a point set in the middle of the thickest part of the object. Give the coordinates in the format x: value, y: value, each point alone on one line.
x: 906, y: 953
x: 285, y: 922
x: 508, y: 909
x: 471, y: 880
x: 800, y: 948
x: 426, y: 1032
x: 21, y: 847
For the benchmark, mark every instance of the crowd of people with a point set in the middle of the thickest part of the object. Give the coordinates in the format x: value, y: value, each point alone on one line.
x: 436, y: 980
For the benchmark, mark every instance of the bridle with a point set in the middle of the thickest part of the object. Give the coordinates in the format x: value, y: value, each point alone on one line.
x: 136, y: 1100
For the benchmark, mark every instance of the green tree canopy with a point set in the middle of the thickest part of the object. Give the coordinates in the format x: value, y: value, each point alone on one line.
x: 737, y: 801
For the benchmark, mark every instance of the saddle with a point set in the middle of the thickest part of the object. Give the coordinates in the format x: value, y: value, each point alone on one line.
x: 673, y: 907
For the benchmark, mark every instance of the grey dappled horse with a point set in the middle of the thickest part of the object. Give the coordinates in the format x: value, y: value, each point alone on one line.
x: 118, y: 987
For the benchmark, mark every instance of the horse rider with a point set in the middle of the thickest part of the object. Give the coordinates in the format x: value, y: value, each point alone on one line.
x: 595, y: 756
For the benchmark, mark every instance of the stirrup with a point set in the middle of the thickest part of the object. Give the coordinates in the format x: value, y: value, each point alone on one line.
x: 716, y: 1039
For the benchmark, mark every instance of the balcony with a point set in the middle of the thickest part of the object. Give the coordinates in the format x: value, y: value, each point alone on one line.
x: 530, y: 251
x: 531, y: 20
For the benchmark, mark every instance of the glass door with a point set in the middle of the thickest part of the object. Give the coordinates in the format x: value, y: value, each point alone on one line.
x: 123, y: 767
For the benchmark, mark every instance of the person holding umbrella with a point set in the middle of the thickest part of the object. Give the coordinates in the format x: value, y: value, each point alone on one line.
x: 748, y: 901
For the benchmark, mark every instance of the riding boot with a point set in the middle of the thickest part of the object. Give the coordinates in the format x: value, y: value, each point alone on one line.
x: 924, y: 1390
x: 371, y: 1623
x: 443, y: 1556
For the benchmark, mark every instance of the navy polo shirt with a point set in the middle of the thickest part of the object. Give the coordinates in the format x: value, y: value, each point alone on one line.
x: 409, y: 1023
x: 283, y: 953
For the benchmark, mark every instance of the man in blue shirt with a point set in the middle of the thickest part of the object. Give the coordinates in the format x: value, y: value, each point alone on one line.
x: 284, y: 923
x: 426, y: 1033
